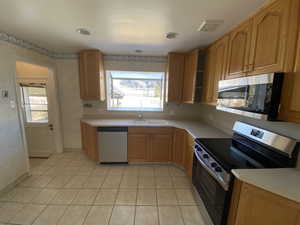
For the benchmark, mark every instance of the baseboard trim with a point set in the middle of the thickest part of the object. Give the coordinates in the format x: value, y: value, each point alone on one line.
x: 14, y: 183
x: 41, y: 154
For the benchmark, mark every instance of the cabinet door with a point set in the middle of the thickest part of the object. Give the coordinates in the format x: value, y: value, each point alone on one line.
x: 161, y: 147
x: 83, y: 127
x: 189, y: 154
x: 260, y: 207
x: 209, y: 76
x: 238, y: 51
x: 89, y: 141
x: 138, y: 145
x: 179, y: 144
x: 269, y: 38
x: 190, y: 74
x: 221, y: 50
x: 91, y: 75
x: 174, y: 77
x: 290, y: 104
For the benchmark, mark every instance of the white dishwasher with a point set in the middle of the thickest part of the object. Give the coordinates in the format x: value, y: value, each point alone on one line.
x: 112, y: 144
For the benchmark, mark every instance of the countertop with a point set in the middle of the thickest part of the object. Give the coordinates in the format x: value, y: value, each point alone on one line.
x: 195, y: 128
x: 284, y: 182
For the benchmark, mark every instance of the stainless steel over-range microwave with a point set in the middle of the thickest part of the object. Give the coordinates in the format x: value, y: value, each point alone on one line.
x: 254, y: 96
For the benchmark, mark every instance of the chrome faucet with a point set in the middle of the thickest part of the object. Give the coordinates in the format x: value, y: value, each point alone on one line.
x: 140, y: 116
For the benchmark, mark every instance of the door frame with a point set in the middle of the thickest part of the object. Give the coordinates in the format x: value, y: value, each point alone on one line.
x: 53, y: 89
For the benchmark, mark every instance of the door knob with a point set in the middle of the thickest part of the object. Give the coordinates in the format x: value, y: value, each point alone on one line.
x: 50, y: 126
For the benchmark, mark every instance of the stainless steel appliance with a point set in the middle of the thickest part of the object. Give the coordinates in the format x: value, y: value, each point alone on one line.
x: 250, y: 147
x: 112, y: 144
x: 253, y: 96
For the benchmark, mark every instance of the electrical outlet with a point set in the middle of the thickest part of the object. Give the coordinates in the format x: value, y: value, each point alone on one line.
x: 12, y: 104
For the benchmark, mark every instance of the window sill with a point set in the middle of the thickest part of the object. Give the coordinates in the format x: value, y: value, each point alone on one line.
x: 136, y: 109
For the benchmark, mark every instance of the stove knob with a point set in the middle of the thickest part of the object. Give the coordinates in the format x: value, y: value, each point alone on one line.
x: 205, y: 156
x: 213, y: 164
x: 218, y: 169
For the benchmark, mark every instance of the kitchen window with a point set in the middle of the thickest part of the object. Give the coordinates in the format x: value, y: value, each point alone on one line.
x: 135, y: 91
x: 35, y: 103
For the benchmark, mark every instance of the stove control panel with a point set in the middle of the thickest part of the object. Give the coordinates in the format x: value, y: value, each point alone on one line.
x: 213, y: 167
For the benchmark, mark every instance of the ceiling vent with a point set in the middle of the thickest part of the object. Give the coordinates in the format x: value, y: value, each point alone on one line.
x: 210, y: 25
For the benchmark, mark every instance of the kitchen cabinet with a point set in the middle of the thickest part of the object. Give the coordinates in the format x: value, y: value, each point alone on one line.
x: 238, y: 51
x: 89, y: 141
x: 290, y: 104
x: 220, y: 56
x: 193, y: 75
x: 174, y: 77
x: 91, y: 75
x: 252, y: 205
x: 189, y: 155
x: 161, y: 148
x: 179, y: 145
x: 209, y: 76
x: 138, y: 147
x: 270, y: 38
x: 150, y: 144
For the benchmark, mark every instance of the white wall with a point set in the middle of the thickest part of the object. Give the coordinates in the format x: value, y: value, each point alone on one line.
x: 70, y: 103
x: 13, y: 156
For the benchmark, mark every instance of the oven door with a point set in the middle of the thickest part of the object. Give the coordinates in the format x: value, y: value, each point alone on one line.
x: 213, y: 195
x: 255, y: 96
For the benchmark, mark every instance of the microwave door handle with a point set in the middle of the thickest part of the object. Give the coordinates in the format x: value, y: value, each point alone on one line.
x: 232, y: 88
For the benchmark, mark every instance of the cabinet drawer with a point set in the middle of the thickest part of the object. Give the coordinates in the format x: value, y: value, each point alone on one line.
x: 150, y: 130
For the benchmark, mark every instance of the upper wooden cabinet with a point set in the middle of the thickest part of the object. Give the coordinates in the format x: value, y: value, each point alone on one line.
x: 190, y: 73
x: 238, y: 51
x: 220, y: 60
x: 91, y: 75
x: 251, y: 205
x: 174, y: 77
x: 269, y: 38
x: 209, y: 76
x: 193, y: 74
x: 290, y: 104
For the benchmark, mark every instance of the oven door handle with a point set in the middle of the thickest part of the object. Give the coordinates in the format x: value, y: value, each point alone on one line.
x: 221, y: 182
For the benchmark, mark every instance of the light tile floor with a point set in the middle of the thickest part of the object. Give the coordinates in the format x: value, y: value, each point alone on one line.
x: 69, y: 189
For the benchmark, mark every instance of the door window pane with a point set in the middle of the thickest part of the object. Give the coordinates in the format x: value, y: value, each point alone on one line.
x: 35, y: 103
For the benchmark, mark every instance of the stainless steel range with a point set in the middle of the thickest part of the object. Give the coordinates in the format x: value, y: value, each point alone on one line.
x: 250, y: 147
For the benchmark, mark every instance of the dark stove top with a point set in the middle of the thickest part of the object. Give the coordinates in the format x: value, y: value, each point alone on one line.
x: 222, y: 150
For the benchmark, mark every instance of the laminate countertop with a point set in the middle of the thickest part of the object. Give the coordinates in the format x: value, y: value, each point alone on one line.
x: 284, y: 182
x: 195, y: 128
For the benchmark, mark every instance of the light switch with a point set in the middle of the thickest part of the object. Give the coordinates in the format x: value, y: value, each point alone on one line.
x: 4, y: 93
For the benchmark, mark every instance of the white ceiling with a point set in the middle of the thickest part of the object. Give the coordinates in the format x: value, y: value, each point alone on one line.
x: 120, y: 26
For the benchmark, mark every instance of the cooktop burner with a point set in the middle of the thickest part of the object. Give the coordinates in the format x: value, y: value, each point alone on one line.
x: 226, y: 155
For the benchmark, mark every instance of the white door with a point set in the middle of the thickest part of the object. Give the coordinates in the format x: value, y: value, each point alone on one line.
x: 38, y: 118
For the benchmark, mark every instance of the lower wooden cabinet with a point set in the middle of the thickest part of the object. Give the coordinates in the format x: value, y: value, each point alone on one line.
x: 147, y: 144
x: 89, y: 141
x: 179, y: 146
x: 161, y: 148
x: 138, y: 147
x: 252, y: 205
x: 189, y: 155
